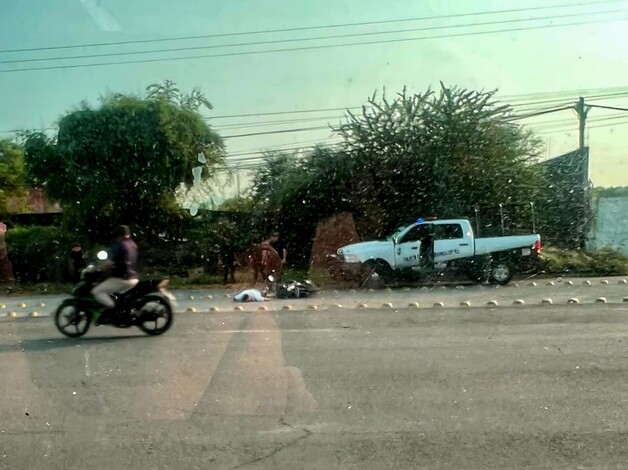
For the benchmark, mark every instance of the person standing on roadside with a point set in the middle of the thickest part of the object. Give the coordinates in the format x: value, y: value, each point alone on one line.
x: 77, y: 262
x: 275, y: 242
x: 228, y: 260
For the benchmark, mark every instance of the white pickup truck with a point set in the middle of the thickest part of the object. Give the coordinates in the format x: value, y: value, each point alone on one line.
x: 454, y: 246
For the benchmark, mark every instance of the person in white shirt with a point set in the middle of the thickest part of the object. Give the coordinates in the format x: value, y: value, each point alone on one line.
x: 249, y: 295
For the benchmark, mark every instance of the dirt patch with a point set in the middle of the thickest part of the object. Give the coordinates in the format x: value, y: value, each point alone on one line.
x: 331, y: 234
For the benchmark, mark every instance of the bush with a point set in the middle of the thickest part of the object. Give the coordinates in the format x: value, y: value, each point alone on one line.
x: 605, y: 262
x: 39, y: 254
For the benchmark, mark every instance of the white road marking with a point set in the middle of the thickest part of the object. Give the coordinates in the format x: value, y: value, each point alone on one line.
x: 303, y: 330
x: 87, y: 373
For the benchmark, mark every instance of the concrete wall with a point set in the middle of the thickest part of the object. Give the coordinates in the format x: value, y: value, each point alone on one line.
x: 610, y: 226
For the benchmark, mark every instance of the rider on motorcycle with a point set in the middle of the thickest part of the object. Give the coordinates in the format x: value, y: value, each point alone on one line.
x: 122, y: 262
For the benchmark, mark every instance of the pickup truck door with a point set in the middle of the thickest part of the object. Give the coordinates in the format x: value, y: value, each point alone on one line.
x: 451, y: 243
x: 407, y: 249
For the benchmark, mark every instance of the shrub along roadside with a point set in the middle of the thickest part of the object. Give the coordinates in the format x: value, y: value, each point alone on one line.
x: 605, y: 262
x: 39, y: 254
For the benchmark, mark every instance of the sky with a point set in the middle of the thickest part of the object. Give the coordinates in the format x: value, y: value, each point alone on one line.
x: 527, y: 66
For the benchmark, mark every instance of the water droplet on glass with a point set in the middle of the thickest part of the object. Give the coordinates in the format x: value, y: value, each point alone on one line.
x: 196, y: 172
x: 194, y: 209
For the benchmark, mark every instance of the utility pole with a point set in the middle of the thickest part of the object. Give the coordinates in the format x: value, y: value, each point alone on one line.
x: 237, y: 169
x: 582, y: 111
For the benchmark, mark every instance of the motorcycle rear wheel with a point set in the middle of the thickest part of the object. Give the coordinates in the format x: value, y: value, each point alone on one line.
x: 72, y: 319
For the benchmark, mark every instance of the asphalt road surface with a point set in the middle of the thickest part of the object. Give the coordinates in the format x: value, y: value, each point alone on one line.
x: 532, y: 387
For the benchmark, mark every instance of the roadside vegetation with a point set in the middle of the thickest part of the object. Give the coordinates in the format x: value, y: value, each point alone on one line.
x: 449, y: 152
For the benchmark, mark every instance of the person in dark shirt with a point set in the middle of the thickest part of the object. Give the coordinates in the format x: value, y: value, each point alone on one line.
x: 427, y: 246
x: 228, y: 260
x: 77, y: 262
x: 122, y: 262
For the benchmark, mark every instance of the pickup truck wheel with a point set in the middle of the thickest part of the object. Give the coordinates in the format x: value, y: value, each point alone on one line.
x: 501, y: 272
x: 381, y: 268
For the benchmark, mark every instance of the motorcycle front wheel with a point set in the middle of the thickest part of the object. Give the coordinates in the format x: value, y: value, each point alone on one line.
x: 72, y: 319
x: 154, y: 315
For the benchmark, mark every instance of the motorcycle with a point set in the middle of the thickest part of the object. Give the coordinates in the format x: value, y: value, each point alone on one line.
x: 292, y: 289
x: 147, y: 305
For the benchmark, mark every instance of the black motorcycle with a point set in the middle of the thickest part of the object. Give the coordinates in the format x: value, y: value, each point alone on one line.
x: 294, y: 289
x: 147, y: 305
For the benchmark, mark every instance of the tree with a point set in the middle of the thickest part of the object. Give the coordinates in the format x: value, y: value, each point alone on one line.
x: 12, y: 175
x: 124, y: 161
x: 293, y: 192
x: 437, y: 154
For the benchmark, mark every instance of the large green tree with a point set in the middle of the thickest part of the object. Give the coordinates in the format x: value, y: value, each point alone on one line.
x: 124, y: 160
x: 438, y: 153
x: 12, y: 175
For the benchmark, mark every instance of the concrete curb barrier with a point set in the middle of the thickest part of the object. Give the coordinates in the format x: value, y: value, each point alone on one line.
x: 502, y: 303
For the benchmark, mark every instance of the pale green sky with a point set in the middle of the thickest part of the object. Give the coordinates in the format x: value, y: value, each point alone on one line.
x: 588, y: 56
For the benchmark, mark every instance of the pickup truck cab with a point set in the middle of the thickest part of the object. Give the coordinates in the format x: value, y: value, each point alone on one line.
x: 454, y: 246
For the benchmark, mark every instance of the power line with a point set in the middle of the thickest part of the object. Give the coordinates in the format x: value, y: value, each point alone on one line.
x: 244, y: 125
x: 307, y: 48
x: 282, y: 131
x: 311, y: 28
x: 247, y: 124
x: 280, y: 146
x: 618, y: 92
x: 572, y: 129
x: 562, y: 122
x: 607, y: 107
x: 238, y: 157
x: 315, y: 38
x: 541, y: 113
x: 520, y: 97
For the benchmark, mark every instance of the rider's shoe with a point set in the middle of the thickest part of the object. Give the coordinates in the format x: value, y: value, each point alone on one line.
x: 102, y: 315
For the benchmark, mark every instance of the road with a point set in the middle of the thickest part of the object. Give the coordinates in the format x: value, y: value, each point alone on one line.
x: 559, y: 290
x: 476, y: 388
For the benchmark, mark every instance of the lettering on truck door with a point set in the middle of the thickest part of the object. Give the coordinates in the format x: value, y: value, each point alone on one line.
x: 451, y: 243
x: 407, y: 249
